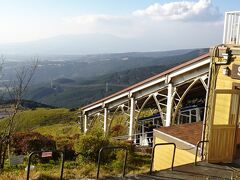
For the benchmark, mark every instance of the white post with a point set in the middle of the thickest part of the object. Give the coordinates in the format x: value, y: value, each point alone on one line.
x: 169, y: 105
x: 238, y: 30
x: 105, y: 120
x: 198, y: 117
x: 225, y: 30
x: 132, y: 117
x: 85, y: 123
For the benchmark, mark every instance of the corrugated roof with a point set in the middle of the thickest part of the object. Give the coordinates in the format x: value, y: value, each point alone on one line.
x: 149, y: 79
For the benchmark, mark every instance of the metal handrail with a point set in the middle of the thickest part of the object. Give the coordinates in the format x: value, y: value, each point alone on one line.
x: 163, y: 144
x: 40, y: 152
x: 124, y: 136
x: 112, y: 147
x: 136, y: 137
x: 197, y: 145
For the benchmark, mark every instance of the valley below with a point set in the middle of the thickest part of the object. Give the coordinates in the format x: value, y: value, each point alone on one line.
x: 74, y: 81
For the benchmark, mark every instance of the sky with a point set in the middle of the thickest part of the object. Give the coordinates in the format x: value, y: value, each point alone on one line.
x: 174, y: 23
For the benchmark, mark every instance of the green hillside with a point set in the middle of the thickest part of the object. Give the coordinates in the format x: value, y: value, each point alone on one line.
x: 84, y: 92
x: 59, y: 130
x: 32, y: 119
x: 66, y: 92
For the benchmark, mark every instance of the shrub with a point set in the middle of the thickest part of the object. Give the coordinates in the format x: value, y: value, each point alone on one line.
x: 73, y: 109
x: 23, y: 143
x: 70, y: 154
x: 117, y: 130
x: 89, y: 144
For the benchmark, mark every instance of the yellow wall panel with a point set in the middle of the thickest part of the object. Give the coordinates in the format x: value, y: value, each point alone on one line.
x: 221, y: 152
x: 222, y: 109
x: 223, y: 101
x: 163, y: 156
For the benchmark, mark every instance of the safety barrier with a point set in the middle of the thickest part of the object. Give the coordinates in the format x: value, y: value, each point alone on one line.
x: 45, y: 154
x: 196, y: 154
x: 163, y: 144
x: 112, y: 147
x: 139, y: 139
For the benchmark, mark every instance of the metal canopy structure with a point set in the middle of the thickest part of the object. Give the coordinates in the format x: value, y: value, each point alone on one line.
x: 166, y: 90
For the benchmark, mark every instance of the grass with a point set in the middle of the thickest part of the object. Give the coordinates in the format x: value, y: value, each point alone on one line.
x: 76, y: 169
x: 61, y: 125
x: 63, y: 133
x: 59, y: 130
x: 32, y: 119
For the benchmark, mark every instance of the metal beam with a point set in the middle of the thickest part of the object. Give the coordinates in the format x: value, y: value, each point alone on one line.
x: 105, y: 120
x: 169, y: 105
x: 85, y: 123
x: 182, y: 98
x: 159, y: 107
x: 132, y: 117
x: 178, y: 77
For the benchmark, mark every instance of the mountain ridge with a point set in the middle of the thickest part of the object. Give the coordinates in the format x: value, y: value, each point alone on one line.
x: 81, y: 91
x: 79, y: 44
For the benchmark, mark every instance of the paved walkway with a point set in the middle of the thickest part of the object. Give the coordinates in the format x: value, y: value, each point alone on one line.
x: 190, y: 172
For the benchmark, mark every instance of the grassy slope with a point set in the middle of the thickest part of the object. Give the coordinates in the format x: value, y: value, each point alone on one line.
x: 59, y: 130
x: 32, y: 119
x: 60, y: 123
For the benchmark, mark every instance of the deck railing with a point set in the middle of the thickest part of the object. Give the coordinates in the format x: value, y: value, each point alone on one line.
x: 232, y: 28
x: 163, y: 144
x: 112, y: 147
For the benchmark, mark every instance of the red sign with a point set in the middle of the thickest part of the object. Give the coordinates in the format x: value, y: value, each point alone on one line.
x: 46, y: 154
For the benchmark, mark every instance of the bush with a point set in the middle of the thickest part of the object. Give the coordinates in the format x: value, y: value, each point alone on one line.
x: 90, y: 144
x: 70, y: 154
x: 117, y: 130
x: 24, y: 143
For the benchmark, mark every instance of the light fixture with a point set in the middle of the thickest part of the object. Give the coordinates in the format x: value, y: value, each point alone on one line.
x: 226, y: 71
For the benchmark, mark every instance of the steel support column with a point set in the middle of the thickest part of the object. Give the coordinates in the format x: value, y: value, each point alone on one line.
x: 132, y: 117
x: 105, y: 120
x: 85, y: 123
x: 169, y: 105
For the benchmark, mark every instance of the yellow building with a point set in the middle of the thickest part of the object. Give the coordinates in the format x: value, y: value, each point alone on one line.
x: 221, y: 125
x: 222, y: 121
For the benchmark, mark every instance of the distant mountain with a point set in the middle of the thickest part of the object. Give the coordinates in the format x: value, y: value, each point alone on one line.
x: 28, y: 104
x: 71, y: 44
x: 90, y: 66
x: 109, y: 77
x: 81, y: 45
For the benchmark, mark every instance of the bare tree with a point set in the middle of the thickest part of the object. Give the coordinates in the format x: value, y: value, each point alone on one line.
x: 2, y: 139
x: 15, y: 91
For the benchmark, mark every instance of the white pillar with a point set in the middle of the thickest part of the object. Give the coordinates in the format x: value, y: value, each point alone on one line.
x: 198, y: 116
x: 169, y: 105
x: 105, y: 120
x: 132, y: 117
x: 85, y: 123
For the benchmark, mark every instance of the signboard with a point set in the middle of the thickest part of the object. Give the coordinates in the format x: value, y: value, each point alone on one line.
x: 46, y: 154
x: 235, y: 71
x: 15, y: 160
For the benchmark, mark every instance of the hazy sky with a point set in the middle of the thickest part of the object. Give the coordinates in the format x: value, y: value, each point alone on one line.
x: 195, y: 23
